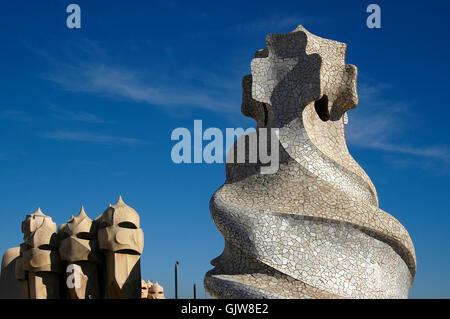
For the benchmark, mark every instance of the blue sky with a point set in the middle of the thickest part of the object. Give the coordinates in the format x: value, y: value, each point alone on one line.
x: 86, y: 115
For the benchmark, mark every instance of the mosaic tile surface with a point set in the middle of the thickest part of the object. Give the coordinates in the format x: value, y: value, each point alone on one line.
x: 313, y: 229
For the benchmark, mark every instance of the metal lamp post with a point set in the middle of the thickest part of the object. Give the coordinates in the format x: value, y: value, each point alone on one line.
x: 176, y: 279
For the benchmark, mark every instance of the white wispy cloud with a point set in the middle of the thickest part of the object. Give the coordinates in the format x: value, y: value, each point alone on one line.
x: 92, y: 137
x: 87, y: 67
x: 127, y: 83
x: 15, y: 115
x: 79, y: 116
x: 58, y: 112
x: 441, y: 152
x: 381, y: 123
